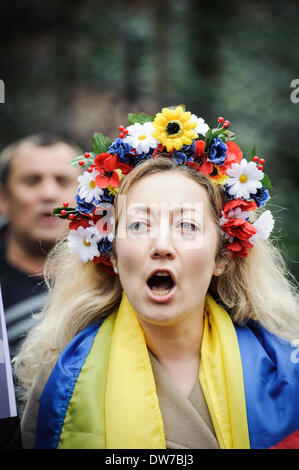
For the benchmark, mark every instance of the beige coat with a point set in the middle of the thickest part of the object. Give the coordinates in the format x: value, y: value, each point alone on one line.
x: 187, y: 422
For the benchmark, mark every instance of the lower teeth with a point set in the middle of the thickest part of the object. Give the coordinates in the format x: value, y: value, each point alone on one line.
x: 161, y: 292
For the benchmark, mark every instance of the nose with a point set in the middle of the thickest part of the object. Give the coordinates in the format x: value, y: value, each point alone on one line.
x: 161, y: 237
x: 49, y: 190
x: 162, y: 252
x: 162, y: 248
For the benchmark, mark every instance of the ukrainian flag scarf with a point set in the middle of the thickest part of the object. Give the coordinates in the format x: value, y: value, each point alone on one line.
x: 101, y: 393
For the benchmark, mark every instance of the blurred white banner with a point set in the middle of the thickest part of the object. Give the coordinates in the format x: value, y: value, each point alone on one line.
x: 7, y: 394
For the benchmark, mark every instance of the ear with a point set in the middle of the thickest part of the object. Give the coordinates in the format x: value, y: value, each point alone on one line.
x: 113, y: 261
x: 220, y: 267
x: 4, y: 202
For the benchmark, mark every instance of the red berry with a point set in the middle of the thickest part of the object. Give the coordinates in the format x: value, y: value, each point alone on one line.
x: 226, y: 124
x: 71, y: 216
x: 125, y: 131
x: 65, y: 204
x: 220, y: 119
x: 260, y: 167
x: 255, y: 158
x: 262, y: 161
x: 121, y: 128
x: 86, y: 155
x: 89, y: 169
x: 81, y: 162
x: 63, y: 212
x: 121, y: 135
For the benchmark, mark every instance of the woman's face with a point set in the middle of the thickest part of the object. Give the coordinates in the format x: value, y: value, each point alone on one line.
x: 165, y: 227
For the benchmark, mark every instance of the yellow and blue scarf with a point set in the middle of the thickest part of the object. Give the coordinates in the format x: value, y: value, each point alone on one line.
x: 102, y: 395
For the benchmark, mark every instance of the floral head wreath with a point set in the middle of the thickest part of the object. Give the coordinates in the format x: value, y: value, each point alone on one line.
x: 173, y: 133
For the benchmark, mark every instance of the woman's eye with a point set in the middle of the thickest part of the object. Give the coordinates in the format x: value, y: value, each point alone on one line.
x: 188, y: 226
x: 137, y: 226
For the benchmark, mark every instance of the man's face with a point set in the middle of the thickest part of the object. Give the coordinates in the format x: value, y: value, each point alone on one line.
x: 40, y: 178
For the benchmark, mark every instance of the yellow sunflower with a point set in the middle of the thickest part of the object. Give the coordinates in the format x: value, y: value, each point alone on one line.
x: 173, y: 128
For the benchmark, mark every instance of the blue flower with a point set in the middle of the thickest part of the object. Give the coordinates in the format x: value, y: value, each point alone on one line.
x: 261, y: 197
x: 106, y: 197
x: 122, y: 150
x: 104, y: 245
x: 185, y: 154
x: 227, y: 194
x: 137, y: 159
x: 85, y: 207
x: 217, y: 152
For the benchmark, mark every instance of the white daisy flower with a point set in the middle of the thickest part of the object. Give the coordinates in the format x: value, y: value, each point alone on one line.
x: 88, y: 190
x: 110, y: 236
x: 83, y: 242
x: 201, y: 127
x: 140, y: 137
x: 244, y: 179
x: 264, y: 225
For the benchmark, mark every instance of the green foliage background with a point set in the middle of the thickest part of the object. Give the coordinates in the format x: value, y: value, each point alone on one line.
x: 77, y: 67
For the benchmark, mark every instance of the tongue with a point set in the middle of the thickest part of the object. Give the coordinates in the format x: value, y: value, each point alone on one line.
x: 159, y: 288
x: 161, y: 283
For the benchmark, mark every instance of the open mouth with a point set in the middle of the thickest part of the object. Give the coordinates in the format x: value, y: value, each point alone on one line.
x: 45, y: 218
x: 161, y: 283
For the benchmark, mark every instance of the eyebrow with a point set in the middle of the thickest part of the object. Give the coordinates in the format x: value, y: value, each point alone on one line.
x: 147, y: 209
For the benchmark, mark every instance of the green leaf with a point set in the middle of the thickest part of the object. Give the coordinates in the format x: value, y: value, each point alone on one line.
x: 209, y: 135
x: 220, y: 133
x: 253, y: 152
x: 68, y: 210
x: 208, y: 139
x: 141, y: 118
x: 183, y: 106
x: 229, y: 135
x: 266, y: 182
x: 223, y: 134
x: 100, y: 143
x: 81, y: 158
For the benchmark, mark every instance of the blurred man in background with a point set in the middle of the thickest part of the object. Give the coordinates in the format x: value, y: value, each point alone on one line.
x: 34, y: 178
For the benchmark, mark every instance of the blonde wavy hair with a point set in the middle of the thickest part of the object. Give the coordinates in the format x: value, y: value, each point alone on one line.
x: 258, y: 287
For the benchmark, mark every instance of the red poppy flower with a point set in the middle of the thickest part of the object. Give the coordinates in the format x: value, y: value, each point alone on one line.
x: 159, y: 150
x: 239, y: 228
x: 239, y: 248
x: 199, y: 148
x: 200, y: 162
x: 107, y: 164
x: 125, y: 169
x: 241, y: 203
x: 80, y: 221
x: 107, y: 179
x: 107, y: 264
x: 233, y: 155
x: 105, y: 161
